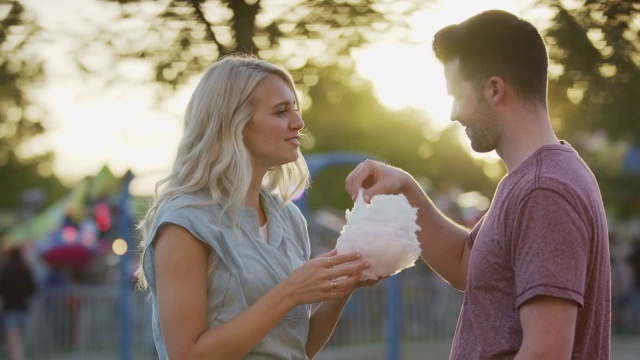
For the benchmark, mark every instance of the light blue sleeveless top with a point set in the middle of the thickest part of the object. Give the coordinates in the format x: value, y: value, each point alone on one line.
x: 246, y: 266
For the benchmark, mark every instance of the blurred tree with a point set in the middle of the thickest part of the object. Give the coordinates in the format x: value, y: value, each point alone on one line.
x: 595, y: 50
x: 20, y: 117
x: 595, y: 86
x: 313, y: 40
x: 19, y: 70
x: 19, y: 175
x: 182, y: 37
x: 348, y: 117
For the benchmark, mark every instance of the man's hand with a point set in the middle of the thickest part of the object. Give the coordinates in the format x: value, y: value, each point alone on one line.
x: 376, y: 178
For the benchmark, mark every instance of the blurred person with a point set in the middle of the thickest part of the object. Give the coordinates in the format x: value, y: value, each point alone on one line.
x: 535, y: 269
x: 634, y: 261
x: 16, y: 288
x: 631, y: 298
x: 226, y: 254
x: 446, y: 199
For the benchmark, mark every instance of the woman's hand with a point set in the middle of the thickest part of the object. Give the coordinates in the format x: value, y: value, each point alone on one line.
x: 325, y: 277
x: 369, y: 282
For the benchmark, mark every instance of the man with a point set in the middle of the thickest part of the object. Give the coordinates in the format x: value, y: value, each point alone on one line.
x: 535, y: 269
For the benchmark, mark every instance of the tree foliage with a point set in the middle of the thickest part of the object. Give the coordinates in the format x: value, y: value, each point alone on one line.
x: 594, y: 91
x: 313, y: 40
x: 182, y: 37
x: 20, y: 69
x: 598, y: 50
x: 348, y: 117
x: 18, y: 175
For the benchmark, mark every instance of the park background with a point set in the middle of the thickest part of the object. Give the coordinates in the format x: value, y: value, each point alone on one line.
x: 91, y: 103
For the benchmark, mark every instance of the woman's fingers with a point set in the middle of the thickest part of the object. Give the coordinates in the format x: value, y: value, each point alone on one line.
x: 336, y: 260
x: 328, y: 276
x: 344, y: 283
x: 329, y: 253
x: 343, y: 271
x: 349, y: 275
x: 346, y: 269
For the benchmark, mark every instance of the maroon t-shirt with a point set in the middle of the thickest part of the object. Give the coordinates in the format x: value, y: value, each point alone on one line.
x: 544, y: 234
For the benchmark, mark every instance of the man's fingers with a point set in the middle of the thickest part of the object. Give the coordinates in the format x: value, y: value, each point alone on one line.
x: 358, y: 178
x: 351, y: 184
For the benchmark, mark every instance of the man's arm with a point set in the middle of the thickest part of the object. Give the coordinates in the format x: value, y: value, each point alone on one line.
x: 443, y: 242
x: 548, y: 327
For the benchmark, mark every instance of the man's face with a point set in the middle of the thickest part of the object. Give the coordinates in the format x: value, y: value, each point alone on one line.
x: 472, y: 110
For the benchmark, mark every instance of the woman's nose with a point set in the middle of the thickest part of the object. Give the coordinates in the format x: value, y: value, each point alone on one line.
x: 298, y: 123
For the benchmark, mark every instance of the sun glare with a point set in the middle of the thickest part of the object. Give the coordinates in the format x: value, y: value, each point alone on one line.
x: 408, y: 75
x: 124, y: 130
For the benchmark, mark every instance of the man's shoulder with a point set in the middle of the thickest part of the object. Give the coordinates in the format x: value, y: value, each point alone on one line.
x: 564, y: 171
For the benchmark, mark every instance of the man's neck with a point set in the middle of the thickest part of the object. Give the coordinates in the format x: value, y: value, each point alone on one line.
x: 524, y: 134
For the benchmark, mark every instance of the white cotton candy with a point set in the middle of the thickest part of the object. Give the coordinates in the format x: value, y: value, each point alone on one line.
x: 383, y: 232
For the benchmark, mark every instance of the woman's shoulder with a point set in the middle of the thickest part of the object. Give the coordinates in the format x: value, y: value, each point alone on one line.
x: 192, y: 206
x: 190, y: 201
x: 197, y: 214
x: 188, y: 198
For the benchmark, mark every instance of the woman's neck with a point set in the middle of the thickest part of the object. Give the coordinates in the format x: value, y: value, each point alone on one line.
x: 253, y: 199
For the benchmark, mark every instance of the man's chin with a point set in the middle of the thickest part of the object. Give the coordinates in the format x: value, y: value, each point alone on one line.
x: 482, y: 148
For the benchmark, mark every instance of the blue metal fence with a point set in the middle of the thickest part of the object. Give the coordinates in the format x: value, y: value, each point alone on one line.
x: 83, y: 322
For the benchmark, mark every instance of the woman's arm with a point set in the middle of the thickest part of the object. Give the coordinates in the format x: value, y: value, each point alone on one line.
x: 181, y: 276
x: 325, y: 317
x: 322, y: 323
x: 181, y: 284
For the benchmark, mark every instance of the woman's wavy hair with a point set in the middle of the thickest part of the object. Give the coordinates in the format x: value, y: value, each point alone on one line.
x: 212, y: 155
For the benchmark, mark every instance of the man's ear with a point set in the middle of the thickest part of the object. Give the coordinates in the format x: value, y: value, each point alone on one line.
x: 494, y: 89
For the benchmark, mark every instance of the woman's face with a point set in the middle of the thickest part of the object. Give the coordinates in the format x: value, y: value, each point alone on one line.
x: 272, y: 136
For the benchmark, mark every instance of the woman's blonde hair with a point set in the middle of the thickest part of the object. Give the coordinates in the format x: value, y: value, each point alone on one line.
x: 212, y: 155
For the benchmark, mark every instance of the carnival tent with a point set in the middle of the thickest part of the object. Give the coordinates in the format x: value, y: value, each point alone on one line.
x: 74, y: 204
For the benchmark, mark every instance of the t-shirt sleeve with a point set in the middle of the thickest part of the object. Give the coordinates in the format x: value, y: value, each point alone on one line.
x: 550, y: 248
x: 186, y: 217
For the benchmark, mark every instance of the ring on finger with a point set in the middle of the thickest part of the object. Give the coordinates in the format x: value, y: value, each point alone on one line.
x: 333, y: 284
x: 329, y: 261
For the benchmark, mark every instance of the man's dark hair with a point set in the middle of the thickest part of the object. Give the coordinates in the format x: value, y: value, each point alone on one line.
x: 497, y: 43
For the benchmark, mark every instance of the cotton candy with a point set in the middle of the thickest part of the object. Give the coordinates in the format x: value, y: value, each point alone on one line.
x: 383, y: 232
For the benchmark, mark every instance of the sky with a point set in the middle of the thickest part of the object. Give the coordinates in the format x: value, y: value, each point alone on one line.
x: 121, y: 126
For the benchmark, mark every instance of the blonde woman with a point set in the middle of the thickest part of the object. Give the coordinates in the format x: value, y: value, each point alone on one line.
x: 226, y: 253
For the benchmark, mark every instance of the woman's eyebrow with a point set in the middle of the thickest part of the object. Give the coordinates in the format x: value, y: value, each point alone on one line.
x: 285, y: 103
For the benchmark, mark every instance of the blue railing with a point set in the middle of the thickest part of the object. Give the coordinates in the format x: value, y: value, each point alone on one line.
x: 83, y: 322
